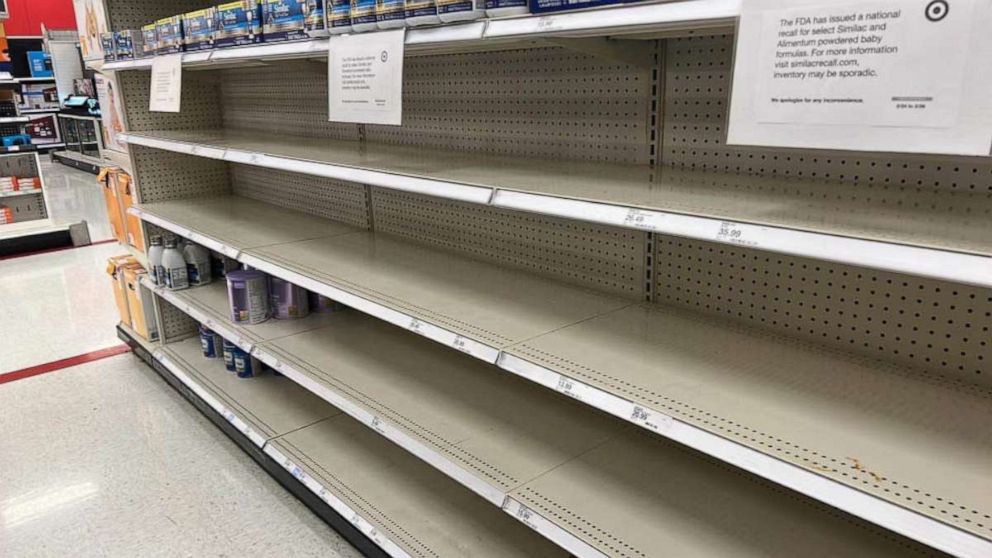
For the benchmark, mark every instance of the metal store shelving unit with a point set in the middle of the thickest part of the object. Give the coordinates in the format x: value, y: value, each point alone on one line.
x: 563, y: 207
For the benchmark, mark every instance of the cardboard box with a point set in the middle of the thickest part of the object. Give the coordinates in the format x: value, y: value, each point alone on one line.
x: 112, y: 199
x: 115, y: 267
x: 292, y: 20
x: 149, y: 40
x: 198, y: 29
x: 140, y: 302
x: 40, y: 64
x: 109, y: 44
x: 126, y: 195
x: 238, y: 24
x: 130, y: 44
x: 169, y: 33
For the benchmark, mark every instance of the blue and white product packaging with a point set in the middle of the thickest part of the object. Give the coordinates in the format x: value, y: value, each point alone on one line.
x: 504, y: 8
x: 245, y: 365
x: 541, y: 6
x: 315, y: 20
x: 422, y: 12
x: 460, y: 10
x: 170, y: 35
x: 212, y: 342
x: 238, y: 24
x: 339, y: 17
x: 229, y: 349
x: 130, y: 45
x: 109, y: 43
x: 288, y: 20
x: 363, y: 15
x: 198, y: 29
x: 390, y: 14
x: 149, y: 40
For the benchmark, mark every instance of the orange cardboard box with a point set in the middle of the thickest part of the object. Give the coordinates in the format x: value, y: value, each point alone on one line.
x: 126, y: 195
x: 114, y: 211
x: 114, y: 268
x: 140, y: 303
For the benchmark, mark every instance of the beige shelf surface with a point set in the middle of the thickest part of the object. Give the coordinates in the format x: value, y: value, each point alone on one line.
x: 271, y: 405
x: 918, y: 441
x: 415, y: 506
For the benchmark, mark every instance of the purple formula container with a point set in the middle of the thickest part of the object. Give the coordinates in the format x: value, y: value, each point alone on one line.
x: 287, y: 300
x: 248, y: 292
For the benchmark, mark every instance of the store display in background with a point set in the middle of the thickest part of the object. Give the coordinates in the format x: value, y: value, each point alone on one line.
x: 84, y: 86
x: 43, y: 128
x: 91, y: 21
x: 110, y: 114
x: 36, y: 96
x: 114, y: 212
x: 40, y: 64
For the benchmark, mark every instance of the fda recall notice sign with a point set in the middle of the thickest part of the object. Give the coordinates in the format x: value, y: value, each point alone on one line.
x: 365, y: 78
x: 883, y: 75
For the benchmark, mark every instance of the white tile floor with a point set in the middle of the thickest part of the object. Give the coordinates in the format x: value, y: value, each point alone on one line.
x: 74, y: 195
x: 105, y: 459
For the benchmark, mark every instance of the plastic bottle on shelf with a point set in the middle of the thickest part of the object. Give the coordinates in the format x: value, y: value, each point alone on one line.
x: 451, y: 11
x: 339, y: 20
x: 363, y: 15
x: 156, y: 271
x: 390, y: 14
x: 421, y: 12
x: 175, y: 266
x: 504, y: 8
x: 197, y: 264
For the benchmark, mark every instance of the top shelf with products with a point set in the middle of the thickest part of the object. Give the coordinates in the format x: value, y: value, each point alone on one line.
x: 634, y: 21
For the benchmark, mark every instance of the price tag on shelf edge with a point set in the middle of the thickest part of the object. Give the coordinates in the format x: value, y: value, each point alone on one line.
x: 652, y: 420
x: 640, y: 219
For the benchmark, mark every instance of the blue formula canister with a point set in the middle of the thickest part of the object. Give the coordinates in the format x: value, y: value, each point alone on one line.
x: 245, y: 365
x: 229, y: 349
x: 212, y: 342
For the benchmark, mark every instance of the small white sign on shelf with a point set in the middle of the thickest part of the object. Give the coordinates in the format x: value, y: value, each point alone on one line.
x: 365, y: 78
x: 883, y: 75
x: 166, y: 83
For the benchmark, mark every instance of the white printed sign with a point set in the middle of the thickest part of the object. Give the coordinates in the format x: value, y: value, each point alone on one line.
x: 365, y: 78
x: 166, y: 83
x: 883, y: 75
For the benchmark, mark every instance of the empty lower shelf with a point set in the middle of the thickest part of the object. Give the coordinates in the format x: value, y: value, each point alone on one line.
x: 939, y: 235
x: 261, y: 408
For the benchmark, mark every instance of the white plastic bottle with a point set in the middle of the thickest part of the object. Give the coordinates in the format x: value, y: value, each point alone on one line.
x: 363, y: 15
x: 156, y: 271
x: 505, y: 8
x: 421, y: 12
x: 197, y: 264
x: 460, y: 10
x: 175, y: 266
x: 390, y: 14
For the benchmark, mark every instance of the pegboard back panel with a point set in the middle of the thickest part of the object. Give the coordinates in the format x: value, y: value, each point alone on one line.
x: 547, y: 103
x: 200, y: 103
x: 698, y: 72
x: 164, y: 175
x: 603, y: 258
x: 345, y: 202
x: 21, y: 165
x: 940, y: 327
x: 176, y: 323
x: 132, y: 14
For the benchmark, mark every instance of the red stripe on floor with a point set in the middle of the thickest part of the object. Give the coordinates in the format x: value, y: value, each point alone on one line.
x: 59, y: 249
x: 64, y: 363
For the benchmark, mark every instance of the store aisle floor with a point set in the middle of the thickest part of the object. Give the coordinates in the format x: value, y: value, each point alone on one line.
x: 105, y: 459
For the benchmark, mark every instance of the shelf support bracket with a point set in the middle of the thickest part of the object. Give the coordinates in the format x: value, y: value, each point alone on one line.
x: 635, y: 53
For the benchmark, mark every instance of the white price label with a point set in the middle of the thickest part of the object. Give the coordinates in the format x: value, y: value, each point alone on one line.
x: 416, y: 325
x: 650, y: 419
x: 379, y: 425
x: 356, y: 520
x: 462, y: 344
x: 298, y: 473
x: 195, y: 150
x: 638, y: 219
x: 377, y: 537
x: 547, y: 23
x: 734, y: 233
x: 228, y: 415
x: 526, y: 515
x: 568, y: 386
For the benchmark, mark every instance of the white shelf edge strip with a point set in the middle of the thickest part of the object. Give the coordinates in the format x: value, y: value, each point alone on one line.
x: 336, y: 504
x: 629, y: 16
x: 875, y: 510
x: 198, y: 238
x: 478, y: 350
x: 225, y: 330
x: 550, y: 530
x: 384, y: 428
x: 926, y: 262
x: 208, y: 398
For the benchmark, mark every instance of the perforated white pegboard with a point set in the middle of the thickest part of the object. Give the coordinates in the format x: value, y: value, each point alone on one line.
x: 932, y: 325
x: 132, y: 14
x: 164, y: 175
x: 698, y: 74
x: 200, y: 103
x: 548, y: 102
x: 332, y: 199
x: 605, y: 258
x: 177, y: 324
